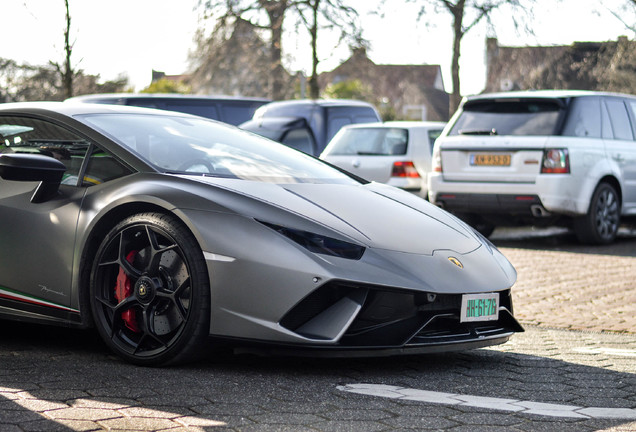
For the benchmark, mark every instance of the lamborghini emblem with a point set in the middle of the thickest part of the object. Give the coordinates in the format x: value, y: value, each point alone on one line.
x: 456, y: 262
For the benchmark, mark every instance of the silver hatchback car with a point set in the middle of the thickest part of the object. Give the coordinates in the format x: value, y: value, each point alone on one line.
x: 396, y: 153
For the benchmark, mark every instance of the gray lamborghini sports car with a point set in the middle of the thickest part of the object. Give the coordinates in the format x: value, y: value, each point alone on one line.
x: 169, y: 232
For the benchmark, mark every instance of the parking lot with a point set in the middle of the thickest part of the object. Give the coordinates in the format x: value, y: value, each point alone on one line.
x: 574, y: 369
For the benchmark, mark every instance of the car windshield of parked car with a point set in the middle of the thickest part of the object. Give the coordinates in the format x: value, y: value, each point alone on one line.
x: 187, y: 145
x: 508, y: 117
x: 369, y: 142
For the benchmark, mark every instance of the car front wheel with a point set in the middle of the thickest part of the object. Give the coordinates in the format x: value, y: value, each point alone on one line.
x: 150, y: 293
x: 600, y: 224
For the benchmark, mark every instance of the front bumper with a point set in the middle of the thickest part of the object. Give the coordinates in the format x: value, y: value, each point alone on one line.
x: 372, y: 321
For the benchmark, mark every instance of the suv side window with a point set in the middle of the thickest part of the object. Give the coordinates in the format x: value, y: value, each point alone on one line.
x: 237, y: 114
x: 619, y: 119
x: 631, y: 105
x: 334, y: 124
x: 606, y: 123
x: 299, y: 139
x: 199, y: 108
x: 29, y: 135
x: 584, y: 118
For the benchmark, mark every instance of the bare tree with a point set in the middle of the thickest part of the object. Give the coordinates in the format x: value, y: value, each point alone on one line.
x: 314, y: 15
x: 466, y: 14
x: 232, y: 60
x: 263, y: 14
x: 334, y: 14
x: 626, y: 13
x: 22, y: 82
x: 603, y: 66
x: 66, y: 70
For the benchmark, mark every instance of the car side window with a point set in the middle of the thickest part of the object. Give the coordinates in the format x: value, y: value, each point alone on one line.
x: 102, y: 167
x: 619, y: 119
x: 34, y: 136
x: 433, y: 134
x: 299, y: 139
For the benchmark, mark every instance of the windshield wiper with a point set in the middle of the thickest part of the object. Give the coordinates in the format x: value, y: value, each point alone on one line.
x: 492, y: 131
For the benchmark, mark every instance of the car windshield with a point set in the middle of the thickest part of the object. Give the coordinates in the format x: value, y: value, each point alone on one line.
x: 190, y: 145
x: 508, y: 117
x: 369, y: 141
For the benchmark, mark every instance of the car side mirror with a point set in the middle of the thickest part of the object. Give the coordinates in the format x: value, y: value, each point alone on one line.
x: 34, y: 167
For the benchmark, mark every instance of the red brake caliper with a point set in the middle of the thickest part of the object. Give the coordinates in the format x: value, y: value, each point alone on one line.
x: 123, y: 290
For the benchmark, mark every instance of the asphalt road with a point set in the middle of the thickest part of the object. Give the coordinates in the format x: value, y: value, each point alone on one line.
x: 567, y: 372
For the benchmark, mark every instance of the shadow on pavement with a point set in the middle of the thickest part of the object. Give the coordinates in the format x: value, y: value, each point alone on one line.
x: 62, y: 367
x: 561, y: 239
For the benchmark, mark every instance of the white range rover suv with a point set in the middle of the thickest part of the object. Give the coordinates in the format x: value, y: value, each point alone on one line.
x: 541, y: 158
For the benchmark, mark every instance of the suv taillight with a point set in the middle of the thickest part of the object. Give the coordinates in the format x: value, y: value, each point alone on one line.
x: 404, y: 169
x: 555, y: 161
x: 437, y: 160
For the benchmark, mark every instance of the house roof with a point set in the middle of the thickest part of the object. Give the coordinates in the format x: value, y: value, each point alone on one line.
x: 360, y: 66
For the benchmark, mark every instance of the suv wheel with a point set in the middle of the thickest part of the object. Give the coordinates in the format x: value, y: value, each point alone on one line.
x: 600, y: 224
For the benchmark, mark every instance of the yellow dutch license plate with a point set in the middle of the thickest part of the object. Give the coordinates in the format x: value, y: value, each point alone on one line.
x: 479, y: 307
x: 485, y: 159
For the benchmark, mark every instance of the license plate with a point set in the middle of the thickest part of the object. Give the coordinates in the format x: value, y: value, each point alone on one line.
x: 485, y: 159
x: 480, y: 307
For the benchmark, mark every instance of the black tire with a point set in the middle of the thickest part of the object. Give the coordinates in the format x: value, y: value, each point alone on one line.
x: 485, y: 228
x: 150, y: 291
x: 600, y: 224
x: 482, y: 226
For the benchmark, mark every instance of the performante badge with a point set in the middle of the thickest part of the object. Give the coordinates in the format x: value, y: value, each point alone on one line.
x: 456, y: 262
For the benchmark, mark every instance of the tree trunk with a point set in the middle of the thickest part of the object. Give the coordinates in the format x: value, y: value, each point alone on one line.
x: 458, y: 32
x: 314, y: 90
x: 276, y: 12
x: 67, y: 75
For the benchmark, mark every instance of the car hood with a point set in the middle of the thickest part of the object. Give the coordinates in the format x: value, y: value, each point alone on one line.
x: 374, y: 215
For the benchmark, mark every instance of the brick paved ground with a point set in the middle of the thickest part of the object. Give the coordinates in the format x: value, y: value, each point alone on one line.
x: 62, y: 380
x: 569, y: 286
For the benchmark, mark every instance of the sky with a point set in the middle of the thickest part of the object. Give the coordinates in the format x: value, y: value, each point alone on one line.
x: 132, y: 37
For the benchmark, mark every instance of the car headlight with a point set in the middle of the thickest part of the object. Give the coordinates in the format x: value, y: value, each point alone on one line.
x: 320, y: 244
x: 484, y: 241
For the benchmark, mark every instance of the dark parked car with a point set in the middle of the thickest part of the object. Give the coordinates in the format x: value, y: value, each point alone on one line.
x: 228, y: 109
x: 163, y: 230
x: 309, y: 125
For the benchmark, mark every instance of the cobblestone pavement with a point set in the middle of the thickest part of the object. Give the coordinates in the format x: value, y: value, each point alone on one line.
x: 570, y: 286
x: 550, y: 378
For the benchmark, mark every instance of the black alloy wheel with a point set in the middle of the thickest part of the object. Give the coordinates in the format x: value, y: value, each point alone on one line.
x: 150, y: 293
x: 600, y: 224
